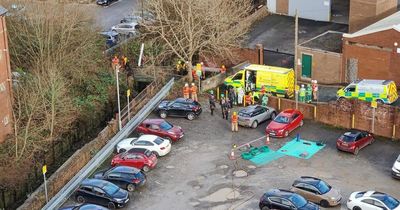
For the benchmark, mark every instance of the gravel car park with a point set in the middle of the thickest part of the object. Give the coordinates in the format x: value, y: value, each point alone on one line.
x: 198, y: 174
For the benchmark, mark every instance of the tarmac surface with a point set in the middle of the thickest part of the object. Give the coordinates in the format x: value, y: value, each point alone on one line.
x: 107, y: 16
x: 198, y: 174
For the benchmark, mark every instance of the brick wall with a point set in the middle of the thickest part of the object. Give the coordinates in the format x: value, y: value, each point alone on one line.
x: 326, y: 66
x: 365, y: 12
x: 376, y: 55
x: 340, y: 114
x: 5, y: 84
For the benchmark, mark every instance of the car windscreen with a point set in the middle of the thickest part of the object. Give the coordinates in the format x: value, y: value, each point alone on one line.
x: 110, y: 188
x: 298, y: 201
x: 165, y: 125
x: 389, y: 201
x: 323, y: 187
x: 158, y: 141
x: 348, y: 138
x: 281, y: 119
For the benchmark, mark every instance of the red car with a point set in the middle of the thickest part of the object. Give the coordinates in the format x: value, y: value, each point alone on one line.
x: 284, y: 123
x: 353, y: 141
x: 161, y: 128
x: 144, y: 161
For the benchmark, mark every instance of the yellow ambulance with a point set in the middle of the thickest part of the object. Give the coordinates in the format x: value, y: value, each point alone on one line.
x: 276, y: 80
x: 382, y: 91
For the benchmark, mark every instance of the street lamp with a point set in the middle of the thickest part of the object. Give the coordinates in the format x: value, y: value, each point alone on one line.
x: 119, y: 103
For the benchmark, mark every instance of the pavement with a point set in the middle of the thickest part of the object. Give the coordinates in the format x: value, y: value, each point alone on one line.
x: 277, y: 32
x: 198, y: 174
x: 108, y: 16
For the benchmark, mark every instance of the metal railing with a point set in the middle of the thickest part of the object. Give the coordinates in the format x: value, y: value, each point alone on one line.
x: 107, y: 150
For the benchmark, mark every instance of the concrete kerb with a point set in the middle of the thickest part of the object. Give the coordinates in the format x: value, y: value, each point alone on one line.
x: 89, y: 168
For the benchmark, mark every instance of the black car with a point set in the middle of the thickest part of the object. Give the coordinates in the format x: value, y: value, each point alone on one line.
x: 101, y: 192
x: 104, y: 2
x: 125, y: 177
x: 85, y: 206
x: 179, y: 107
x: 285, y: 199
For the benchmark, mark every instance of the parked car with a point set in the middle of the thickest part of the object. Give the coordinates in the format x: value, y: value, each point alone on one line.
x: 111, y: 38
x: 316, y: 191
x: 252, y: 116
x: 155, y: 144
x: 125, y: 177
x: 285, y: 199
x: 128, y: 29
x: 284, y: 123
x: 101, y: 192
x: 85, y: 206
x: 104, y: 2
x: 396, y: 168
x: 179, y: 107
x: 354, y: 140
x: 143, y: 161
x: 161, y: 128
x: 369, y: 200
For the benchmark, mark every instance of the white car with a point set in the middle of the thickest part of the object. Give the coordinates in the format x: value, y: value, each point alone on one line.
x: 157, y: 145
x: 396, y: 168
x: 128, y: 29
x: 372, y: 200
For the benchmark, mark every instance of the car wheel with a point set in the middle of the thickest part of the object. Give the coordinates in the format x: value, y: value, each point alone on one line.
x: 121, y: 150
x: 301, y: 123
x: 265, y: 208
x: 130, y: 187
x: 379, y: 101
x: 111, y: 205
x: 163, y: 114
x: 146, y: 168
x: 254, y: 124
x: 286, y: 133
x: 130, y: 35
x: 356, y: 208
x: 372, y: 141
x: 324, y: 203
x: 190, y: 116
x: 356, y: 151
x: 156, y: 153
x: 168, y: 138
x: 273, y: 115
x: 140, y: 134
x: 80, y: 199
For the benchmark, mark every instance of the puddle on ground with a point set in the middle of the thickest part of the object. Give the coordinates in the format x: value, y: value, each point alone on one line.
x: 239, y: 173
x: 221, y: 195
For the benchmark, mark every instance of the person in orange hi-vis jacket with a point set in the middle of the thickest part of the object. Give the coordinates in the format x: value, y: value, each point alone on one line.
x: 193, y: 91
x: 234, y: 122
x: 186, y: 91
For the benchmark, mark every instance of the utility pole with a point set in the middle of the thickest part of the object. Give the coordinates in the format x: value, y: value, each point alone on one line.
x: 119, y: 103
x: 296, y: 40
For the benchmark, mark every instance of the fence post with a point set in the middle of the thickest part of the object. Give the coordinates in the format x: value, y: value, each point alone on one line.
x: 352, y: 121
x: 315, y: 112
x: 279, y: 103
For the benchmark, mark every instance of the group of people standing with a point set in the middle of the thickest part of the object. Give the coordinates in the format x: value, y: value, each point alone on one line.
x: 190, y: 92
x: 309, y: 92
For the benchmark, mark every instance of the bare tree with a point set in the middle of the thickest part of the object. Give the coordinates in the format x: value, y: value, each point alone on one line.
x: 192, y: 27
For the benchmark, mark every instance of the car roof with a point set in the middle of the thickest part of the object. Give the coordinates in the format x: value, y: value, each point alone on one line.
x: 352, y: 133
x: 154, y: 121
x: 279, y: 193
x: 250, y: 109
x: 124, y: 169
x: 184, y: 100
x: 147, y: 137
x: 289, y: 112
x: 95, y: 182
x: 308, y: 179
x: 109, y: 33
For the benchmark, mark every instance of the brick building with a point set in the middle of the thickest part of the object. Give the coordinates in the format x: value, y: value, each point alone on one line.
x: 366, y: 12
x: 5, y: 81
x: 320, y: 58
x: 373, y: 52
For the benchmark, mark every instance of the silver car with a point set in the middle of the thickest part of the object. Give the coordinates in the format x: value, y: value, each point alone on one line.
x: 251, y: 116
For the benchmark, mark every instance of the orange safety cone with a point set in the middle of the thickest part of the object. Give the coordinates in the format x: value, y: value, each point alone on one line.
x: 267, y: 141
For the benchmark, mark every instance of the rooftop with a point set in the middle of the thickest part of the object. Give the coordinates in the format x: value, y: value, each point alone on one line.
x: 390, y: 22
x: 329, y: 41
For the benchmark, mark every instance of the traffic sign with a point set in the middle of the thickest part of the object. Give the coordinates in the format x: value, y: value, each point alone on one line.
x: 44, y: 169
x: 297, y: 88
x: 374, y: 104
x: 128, y: 92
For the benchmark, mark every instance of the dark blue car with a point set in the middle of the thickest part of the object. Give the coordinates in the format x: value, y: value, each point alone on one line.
x: 285, y: 199
x: 85, y: 206
x: 101, y: 192
x: 124, y: 176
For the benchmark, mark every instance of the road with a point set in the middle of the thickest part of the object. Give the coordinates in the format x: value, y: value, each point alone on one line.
x: 111, y: 15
